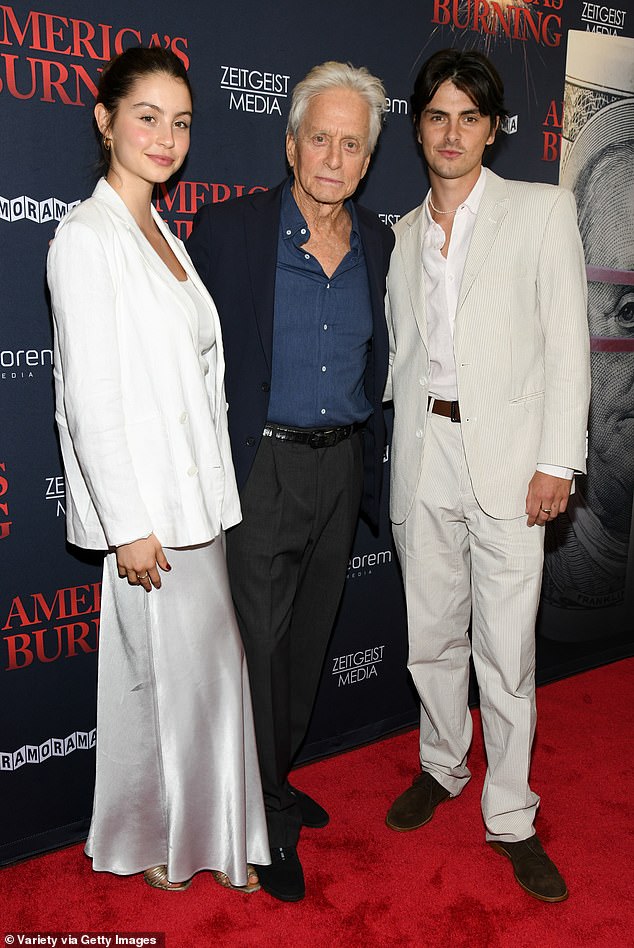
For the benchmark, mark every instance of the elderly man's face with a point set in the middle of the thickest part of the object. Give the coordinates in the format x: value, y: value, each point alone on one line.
x: 330, y: 154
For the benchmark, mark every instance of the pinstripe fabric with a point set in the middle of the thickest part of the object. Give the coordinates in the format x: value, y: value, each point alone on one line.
x: 458, y: 491
x: 458, y: 561
x: 521, y: 345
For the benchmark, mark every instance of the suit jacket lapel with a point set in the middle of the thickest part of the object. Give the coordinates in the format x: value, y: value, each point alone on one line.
x: 261, y: 227
x: 492, y: 211
x: 411, y: 246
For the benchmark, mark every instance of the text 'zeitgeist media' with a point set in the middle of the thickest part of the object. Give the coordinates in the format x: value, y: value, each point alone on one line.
x: 23, y: 35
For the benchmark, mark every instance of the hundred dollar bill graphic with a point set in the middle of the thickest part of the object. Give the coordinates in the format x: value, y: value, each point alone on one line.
x: 588, y: 589
x: 598, y: 98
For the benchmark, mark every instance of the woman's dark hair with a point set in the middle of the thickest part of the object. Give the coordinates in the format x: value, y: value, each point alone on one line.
x: 471, y: 72
x: 120, y: 74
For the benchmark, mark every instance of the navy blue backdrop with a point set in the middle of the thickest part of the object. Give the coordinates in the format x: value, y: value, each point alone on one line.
x: 243, y: 59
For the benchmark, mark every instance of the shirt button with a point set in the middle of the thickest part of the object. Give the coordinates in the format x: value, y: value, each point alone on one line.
x: 192, y: 471
x: 323, y: 368
x: 303, y: 230
x: 422, y: 380
x: 323, y: 411
x: 288, y: 233
x: 306, y: 256
x: 327, y: 286
x: 419, y: 433
x: 183, y: 418
x: 325, y: 326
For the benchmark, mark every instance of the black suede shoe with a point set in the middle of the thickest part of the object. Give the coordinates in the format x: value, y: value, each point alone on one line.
x: 416, y: 806
x: 313, y: 815
x: 534, y: 871
x: 284, y: 878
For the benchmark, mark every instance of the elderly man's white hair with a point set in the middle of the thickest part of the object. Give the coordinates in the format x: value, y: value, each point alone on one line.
x: 334, y: 75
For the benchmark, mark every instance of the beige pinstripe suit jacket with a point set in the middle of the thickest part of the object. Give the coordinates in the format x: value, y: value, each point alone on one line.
x: 520, y: 341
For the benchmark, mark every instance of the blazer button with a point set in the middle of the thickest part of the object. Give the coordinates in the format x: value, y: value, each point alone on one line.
x: 250, y: 442
x: 266, y: 387
x: 183, y: 418
x: 192, y: 471
x: 419, y: 433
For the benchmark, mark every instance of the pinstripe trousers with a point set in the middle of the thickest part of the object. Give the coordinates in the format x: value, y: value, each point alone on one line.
x: 459, y: 564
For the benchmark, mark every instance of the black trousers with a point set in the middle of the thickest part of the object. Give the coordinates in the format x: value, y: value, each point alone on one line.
x: 287, y: 566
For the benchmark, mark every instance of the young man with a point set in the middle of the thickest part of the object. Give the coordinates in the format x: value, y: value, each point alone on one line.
x: 490, y: 383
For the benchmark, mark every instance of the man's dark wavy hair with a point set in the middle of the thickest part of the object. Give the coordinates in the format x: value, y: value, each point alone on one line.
x: 471, y: 72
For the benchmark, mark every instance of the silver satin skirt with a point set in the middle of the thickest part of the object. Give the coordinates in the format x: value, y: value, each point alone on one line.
x: 177, y: 780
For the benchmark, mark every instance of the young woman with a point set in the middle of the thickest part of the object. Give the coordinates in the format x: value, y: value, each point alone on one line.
x: 141, y: 415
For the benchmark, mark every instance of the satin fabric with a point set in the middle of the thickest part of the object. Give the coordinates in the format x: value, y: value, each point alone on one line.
x: 177, y: 773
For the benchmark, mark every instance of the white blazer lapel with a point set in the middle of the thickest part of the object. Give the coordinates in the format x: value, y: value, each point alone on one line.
x: 411, y: 250
x: 492, y: 211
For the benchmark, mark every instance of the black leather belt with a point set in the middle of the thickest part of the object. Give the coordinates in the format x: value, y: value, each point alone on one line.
x: 446, y: 409
x: 313, y: 437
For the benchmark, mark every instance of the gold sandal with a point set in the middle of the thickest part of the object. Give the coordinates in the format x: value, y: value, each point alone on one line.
x: 223, y: 879
x: 157, y: 878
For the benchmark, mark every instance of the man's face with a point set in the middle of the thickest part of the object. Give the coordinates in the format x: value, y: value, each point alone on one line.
x: 454, y: 134
x: 330, y: 154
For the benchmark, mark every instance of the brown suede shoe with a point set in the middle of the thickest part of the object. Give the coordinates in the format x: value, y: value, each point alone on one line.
x: 534, y: 871
x: 416, y: 806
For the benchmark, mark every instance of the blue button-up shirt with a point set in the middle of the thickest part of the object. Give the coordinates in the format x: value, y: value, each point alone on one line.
x: 322, y: 330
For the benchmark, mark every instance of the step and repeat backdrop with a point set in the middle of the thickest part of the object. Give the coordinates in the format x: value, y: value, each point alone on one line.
x: 568, y: 70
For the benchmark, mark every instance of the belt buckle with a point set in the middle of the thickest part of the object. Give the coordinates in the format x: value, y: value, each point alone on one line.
x: 455, y: 412
x: 319, y: 439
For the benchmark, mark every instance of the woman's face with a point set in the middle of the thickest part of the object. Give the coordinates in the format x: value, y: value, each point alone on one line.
x: 149, y: 132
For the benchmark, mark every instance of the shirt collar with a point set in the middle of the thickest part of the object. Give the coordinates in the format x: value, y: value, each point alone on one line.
x: 471, y: 202
x: 292, y: 220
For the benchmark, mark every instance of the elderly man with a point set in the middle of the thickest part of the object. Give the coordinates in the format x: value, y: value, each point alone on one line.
x: 298, y: 275
x: 490, y: 382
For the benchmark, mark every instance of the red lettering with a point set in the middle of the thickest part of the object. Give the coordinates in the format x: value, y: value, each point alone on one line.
x: 555, y: 39
x: 552, y: 146
x: 220, y: 189
x: 18, y: 644
x: 32, y: 22
x: 118, y: 40
x: 183, y: 229
x: 441, y: 12
x: 39, y: 644
x: 176, y: 49
x: 76, y: 635
x: 82, y: 37
x: 481, y: 17
x: 52, y: 34
x: 551, y: 116
x: 77, y: 597
x: 10, y: 78
x: 18, y: 611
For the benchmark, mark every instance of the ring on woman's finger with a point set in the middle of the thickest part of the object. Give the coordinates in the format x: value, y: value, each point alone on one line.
x: 146, y: 576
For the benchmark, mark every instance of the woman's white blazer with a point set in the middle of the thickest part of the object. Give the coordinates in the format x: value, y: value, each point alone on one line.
x: 143, y: 430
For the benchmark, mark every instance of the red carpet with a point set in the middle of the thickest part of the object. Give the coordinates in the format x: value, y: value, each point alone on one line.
x: 368, y: 886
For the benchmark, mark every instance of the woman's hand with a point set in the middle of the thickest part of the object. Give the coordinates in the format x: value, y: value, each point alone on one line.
x: 138, y: 562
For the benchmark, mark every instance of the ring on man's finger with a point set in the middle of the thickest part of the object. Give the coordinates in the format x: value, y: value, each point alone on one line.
x: 545, y: 509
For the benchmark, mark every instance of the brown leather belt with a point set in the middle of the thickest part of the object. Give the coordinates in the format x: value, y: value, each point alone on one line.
x: 446, y: 409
